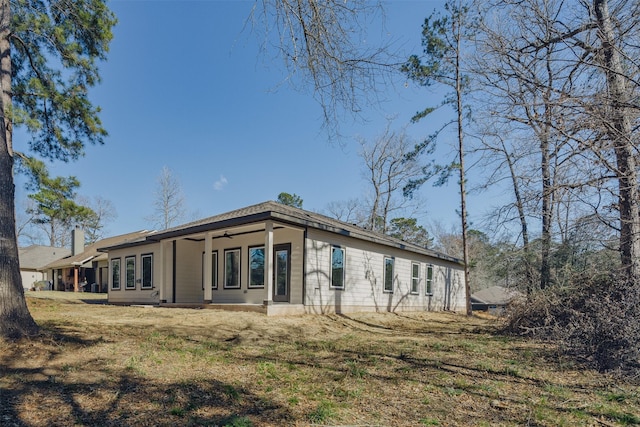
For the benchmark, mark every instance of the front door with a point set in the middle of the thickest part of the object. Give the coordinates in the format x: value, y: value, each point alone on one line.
x: 281, y: 273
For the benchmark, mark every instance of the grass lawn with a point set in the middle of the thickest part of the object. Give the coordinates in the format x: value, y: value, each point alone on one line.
x: 102, y: 365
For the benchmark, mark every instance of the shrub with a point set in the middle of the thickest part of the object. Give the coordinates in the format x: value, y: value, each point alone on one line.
x: 593, y: 319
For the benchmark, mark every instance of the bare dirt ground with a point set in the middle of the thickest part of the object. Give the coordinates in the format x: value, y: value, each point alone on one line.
x: 97, y: 364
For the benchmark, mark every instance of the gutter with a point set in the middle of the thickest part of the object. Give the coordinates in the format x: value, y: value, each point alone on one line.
x: 84, y: 261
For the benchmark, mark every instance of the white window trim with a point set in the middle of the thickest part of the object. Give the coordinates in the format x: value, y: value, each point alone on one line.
x: 417, y: 290
x: 384, y: 274
x: 428, y: 282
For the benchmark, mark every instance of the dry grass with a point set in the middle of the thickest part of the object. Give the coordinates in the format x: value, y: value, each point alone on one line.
x: 105, y: 365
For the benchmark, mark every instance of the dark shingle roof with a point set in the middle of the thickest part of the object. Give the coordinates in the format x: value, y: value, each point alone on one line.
x: 287, y: 214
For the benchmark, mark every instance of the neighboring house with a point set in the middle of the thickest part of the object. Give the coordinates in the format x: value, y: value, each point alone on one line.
x: 494, y: 299
x: 33, y: 258
x: 278, y: 259
x: 86, y: 269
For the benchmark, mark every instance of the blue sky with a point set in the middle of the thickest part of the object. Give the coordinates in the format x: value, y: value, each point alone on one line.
x: 186, y: 87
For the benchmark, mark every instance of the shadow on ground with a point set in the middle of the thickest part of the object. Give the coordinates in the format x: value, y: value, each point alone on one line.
x: 36, y: 389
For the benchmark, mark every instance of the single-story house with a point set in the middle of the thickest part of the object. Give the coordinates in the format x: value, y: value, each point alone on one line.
x: 279, y: 259
x: 33, y: 258
x: 494, y: 299
x: 85, y: 269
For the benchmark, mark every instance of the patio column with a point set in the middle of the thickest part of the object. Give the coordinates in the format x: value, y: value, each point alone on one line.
x: 161, y: 274
x: 207, y: 270
x: 75, y: 279
x: 268, y: 263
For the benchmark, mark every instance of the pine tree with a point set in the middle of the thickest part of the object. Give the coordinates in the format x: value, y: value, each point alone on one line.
x: 49, y: 53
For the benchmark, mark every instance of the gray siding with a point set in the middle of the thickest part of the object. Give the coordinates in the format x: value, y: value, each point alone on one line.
x: 137, y: 295
x: 189, y: 272
x: 364, y: 278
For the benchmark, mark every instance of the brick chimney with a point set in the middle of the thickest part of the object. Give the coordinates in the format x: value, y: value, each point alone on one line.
x: 77, y: 240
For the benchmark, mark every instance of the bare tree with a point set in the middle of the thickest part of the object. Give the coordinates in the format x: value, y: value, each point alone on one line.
x: 26, y: 228
x: 350, y: 211
x: 571, y: 74
x: 530, y: 91
x: 502, y: 162
x: 169, y: 202
x: 617, y: 47
x: 387, y: 171
x: 324, y: 44
x: 104, y: 212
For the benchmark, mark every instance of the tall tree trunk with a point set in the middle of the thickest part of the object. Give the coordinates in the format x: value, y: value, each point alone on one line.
x: 524, y: 228
x: 547, y: 185
x: 619, y: 131
x: 52, y: 236
x: 545, y: 238
x: 463, y: 192
x: 15, y: 319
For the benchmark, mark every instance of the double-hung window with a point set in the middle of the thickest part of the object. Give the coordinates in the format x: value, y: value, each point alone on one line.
x: 337, y: 267
x: 388, y: 274
x: 429, y: 281
x: 415, y: 277
x: 115, y: 274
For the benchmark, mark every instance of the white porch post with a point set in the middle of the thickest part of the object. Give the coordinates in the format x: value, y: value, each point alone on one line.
x: 208, y: 248
x: 161, y: 273
x: 268, y: 263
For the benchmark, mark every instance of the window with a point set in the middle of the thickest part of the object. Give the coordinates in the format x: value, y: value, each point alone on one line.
x: 214, y: 270
x: 415, y: 277
x: 130, y: 272
x: 115, y: 273
x: 232, y: 269
x: 337, y: 267
x: 429, y: 281
x: 147, y: 271
x: 256, y: 267
x: 388, y: 274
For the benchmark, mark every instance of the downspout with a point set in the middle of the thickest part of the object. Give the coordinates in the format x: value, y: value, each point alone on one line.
x: 304, y: 267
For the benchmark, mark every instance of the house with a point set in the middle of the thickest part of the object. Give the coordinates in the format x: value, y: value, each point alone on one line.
x: 85, y: 269
x: 33, y: 258
x: 494, y: 300
x: 279, y: 259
